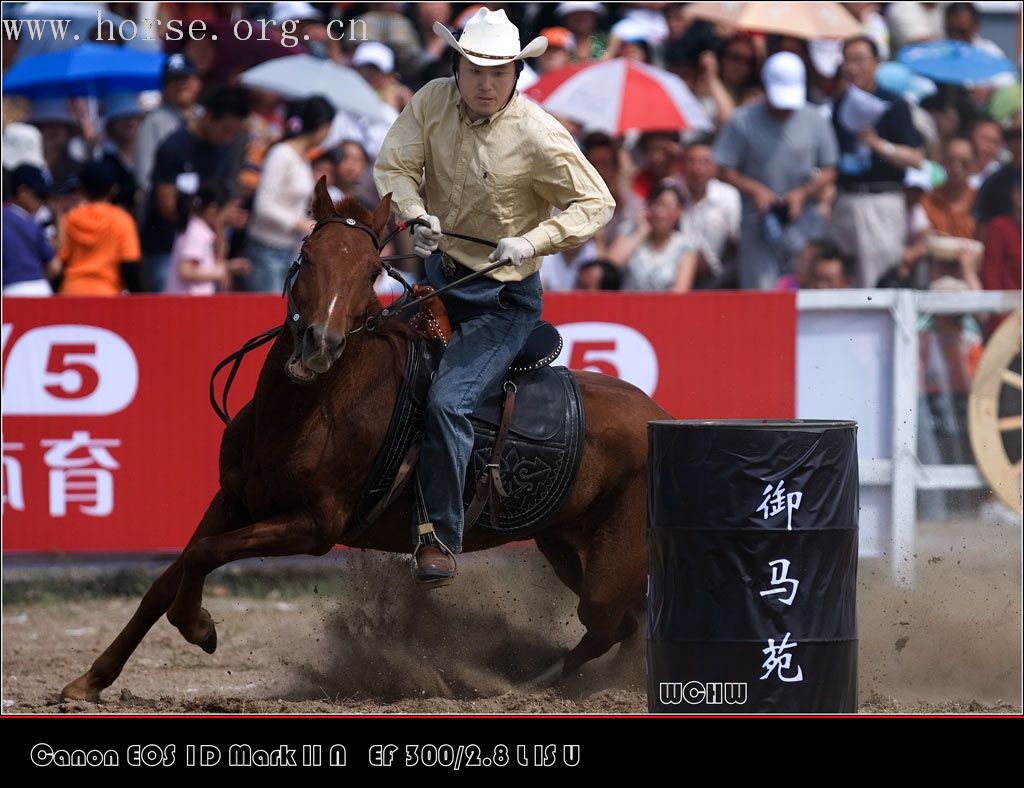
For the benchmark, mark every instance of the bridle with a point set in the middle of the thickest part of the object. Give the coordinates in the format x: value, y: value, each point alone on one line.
x: 294, y: 322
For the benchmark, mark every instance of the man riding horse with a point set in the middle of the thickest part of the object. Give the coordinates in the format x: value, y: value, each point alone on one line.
x: 495, y: 165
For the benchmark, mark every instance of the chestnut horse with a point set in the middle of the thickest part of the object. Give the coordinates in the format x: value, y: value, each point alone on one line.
x: 295, y: 460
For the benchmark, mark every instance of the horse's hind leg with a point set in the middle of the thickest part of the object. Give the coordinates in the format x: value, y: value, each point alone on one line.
x: 610, y: 582
x: 614, y: 579
x: 564, y: 560
x: 284, y: 535
x: 158, y: 598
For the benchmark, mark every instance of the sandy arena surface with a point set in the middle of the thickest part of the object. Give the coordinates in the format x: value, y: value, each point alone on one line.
x: 367, y: 640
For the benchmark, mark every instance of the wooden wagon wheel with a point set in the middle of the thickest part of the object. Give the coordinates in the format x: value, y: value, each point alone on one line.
x: 994, y: 412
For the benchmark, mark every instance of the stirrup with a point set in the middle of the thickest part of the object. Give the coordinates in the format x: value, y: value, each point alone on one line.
x: 426, y: 535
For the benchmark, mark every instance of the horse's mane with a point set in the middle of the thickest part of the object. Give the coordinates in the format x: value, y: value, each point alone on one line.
x: 352, y: 208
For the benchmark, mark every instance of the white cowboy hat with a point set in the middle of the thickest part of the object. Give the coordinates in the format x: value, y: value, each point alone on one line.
x: 490, y: 39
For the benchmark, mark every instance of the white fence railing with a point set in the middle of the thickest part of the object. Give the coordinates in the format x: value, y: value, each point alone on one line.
x: 839, y: 333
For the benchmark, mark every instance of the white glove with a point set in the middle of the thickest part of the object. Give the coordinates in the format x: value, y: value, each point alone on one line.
x: 515, y: 250
x: 424, y: 239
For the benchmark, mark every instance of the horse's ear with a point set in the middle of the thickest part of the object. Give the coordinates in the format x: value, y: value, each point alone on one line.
x: 323, y: 205
x: 382, y: 214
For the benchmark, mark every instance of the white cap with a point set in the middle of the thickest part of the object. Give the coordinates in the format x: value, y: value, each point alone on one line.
x: 23, y: 144
x: 374, y: 53
x: 631, y: 31
x: 571, y: 8
x: 785, y: 81
x: 299, y: 12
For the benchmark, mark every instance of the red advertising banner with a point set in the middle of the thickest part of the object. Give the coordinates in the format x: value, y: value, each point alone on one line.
x: 110, y: 444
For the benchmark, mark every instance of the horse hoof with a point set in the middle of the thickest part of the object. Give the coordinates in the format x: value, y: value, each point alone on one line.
x: 210, y: 644
x: 202, y: 633
x: 208, y: 641
x: 81, y: 689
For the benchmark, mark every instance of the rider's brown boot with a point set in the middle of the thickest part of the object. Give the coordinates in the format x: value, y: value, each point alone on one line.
x: 433, y: 567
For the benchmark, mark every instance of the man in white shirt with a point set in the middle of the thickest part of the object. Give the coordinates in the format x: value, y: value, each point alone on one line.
x: 711, y: 211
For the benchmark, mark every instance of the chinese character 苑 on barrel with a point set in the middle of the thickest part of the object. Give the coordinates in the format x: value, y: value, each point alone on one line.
x: 752, y: 548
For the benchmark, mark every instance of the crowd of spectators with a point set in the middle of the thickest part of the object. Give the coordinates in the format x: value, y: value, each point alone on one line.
x: 206, y: 187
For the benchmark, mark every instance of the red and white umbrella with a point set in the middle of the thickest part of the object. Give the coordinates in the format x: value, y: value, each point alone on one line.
x: 615, y: 96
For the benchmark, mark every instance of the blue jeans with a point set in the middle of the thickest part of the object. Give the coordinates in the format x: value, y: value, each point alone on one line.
x: 491, y: 322
x: 155, y: 266
x: 270, y: 265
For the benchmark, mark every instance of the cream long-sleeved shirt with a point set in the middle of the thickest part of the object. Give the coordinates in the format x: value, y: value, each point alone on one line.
x: 494, y: 178
x: 282, y: 199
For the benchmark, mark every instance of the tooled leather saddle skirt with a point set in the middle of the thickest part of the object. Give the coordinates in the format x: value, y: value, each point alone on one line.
x: 542, y: 448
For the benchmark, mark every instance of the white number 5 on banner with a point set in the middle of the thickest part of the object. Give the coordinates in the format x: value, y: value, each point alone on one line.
x: 68, y: 370
x: 612, y: 349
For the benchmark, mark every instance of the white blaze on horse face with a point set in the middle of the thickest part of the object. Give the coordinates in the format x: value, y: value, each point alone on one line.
x: 327, y: 321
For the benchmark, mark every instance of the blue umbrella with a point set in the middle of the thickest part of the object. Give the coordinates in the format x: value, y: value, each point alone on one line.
x: 897, y: 78
x: 87, y: 70
x: 953, y: 62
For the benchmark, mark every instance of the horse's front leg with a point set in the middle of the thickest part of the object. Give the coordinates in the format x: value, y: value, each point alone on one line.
x: 158, y: 598
x: 284, y: 535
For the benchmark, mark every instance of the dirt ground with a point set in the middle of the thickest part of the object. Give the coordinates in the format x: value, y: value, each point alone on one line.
x: 359, y: 637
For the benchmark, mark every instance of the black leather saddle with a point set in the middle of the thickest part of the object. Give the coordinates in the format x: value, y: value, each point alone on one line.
x: 541, y: 348
x: 542, y: 448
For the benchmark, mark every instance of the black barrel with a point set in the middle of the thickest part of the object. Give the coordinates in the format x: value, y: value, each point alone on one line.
x: 752, y: 548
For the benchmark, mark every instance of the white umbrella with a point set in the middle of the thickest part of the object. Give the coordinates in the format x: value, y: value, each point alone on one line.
x: 299, y: 76
x: 620, y: 95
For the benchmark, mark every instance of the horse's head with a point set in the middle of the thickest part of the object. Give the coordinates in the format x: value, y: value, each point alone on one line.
x: 330, y: 285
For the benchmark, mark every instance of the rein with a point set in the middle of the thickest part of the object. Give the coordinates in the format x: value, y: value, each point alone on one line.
x: 405, y: 302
